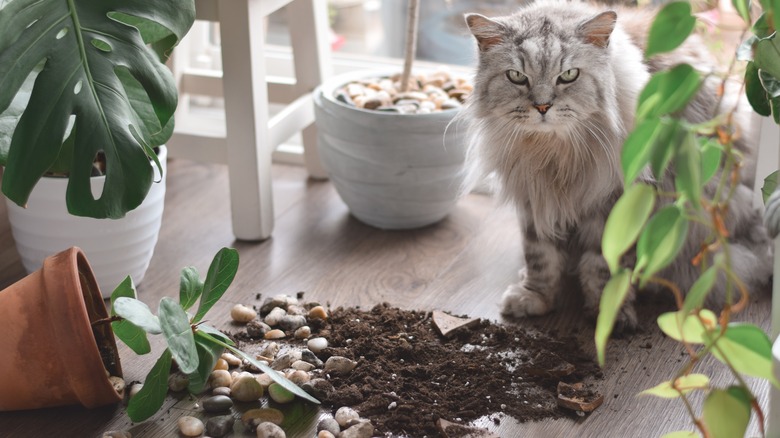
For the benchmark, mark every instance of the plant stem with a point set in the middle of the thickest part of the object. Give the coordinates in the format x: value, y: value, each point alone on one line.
x: 413, y: 17
x: 107, y: 320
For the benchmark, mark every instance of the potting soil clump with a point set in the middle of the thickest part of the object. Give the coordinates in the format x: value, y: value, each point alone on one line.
x: 397, y: 369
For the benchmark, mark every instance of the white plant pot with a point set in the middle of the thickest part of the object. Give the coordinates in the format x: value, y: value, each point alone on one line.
x: 773, y: 429
x: 394, y: 171
x: 115, y: 247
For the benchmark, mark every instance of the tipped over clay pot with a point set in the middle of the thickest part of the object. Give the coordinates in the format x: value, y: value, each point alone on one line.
x: 49, y: 353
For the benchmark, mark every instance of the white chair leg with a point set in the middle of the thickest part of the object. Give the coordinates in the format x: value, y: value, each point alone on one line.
x: 246, y: 113
x: 310, y: 41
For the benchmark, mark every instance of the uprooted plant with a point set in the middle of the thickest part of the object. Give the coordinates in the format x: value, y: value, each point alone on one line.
x: 194, y: 345
x: 698, y: 152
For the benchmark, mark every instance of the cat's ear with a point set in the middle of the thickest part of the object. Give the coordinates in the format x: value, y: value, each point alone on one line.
x: 488, y: 32
x: 598, y: 29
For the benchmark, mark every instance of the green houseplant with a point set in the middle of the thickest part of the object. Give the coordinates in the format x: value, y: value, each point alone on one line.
x: 83, y: 86
x: 698, y: 154
x: 194, y: 345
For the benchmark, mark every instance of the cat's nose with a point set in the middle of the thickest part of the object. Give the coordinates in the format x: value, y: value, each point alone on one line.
x: 542, y: 107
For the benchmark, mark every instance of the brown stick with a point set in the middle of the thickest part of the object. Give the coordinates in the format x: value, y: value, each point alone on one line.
x: 413, y: 17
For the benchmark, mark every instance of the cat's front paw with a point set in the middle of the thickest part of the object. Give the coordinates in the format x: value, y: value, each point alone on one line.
x: 519, y: 302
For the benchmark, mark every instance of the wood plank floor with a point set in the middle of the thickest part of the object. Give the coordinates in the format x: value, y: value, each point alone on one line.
x: 461, y: 265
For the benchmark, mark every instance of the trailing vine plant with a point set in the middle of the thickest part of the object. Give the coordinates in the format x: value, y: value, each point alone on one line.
x: 656, y: 223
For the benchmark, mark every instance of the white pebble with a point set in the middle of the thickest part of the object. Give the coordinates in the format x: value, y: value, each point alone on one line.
x: 117, y: 434
x: 274, y: 316
x: 317, y: 344
x: 345, y: 414
x: 302, y: 365
x: 190, y: 426
x: 325, y: 434
x: 302, y: 332
x: 134, y: 389
x: 270, y: 430
x: 298, y: 377
x: 274, y: 334
x: 242, y: 314
x: 178, y: 382
x: 392, y: 406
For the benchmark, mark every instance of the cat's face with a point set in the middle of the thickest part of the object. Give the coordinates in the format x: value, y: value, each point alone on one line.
x: 543, y: 73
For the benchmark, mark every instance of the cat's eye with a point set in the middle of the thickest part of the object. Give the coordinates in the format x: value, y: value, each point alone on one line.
x: 569, y: 76
x: 516, y: 77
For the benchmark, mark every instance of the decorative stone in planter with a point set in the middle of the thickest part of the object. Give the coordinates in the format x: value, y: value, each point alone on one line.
x: 50, y: 356
x: 116, y: 247
x: 393, y: 170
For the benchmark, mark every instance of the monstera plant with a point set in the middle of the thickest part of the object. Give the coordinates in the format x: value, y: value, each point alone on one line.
x: 81, y: 79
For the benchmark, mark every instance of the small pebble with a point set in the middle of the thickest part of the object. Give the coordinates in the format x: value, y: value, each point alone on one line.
x: 274, y: 334
x: 220, y: 426
x: 329, y: 425
x: 302, y: 332
x: 178, y: 382
x: 302, y: 365
x: 242, y: 314
x: 253, y: 417
x: 317, y: 344
x: 220, y: 378
x: 190, y: 426
x: 362, y: 429
x: 280, y: 394
x: 270, y: 350
x: 134, y: 389
x: 339, y: 365
x: 257, y: 329
x: 221, y: 364
x: 325, y: 434
x: 299, y: 377
x: 269, y: 430
x: 291, y: 323
x: 283, y: 361
x: 294, y: 309
x: 221, y: 390
x: 119, y: 384
x: 392, y: 406
x: 264, y: 380
x: 231, y: 359
x: 217, y: 403
x: 344, y: 414
x: 246, y: 388
x: 275, y: 316
x: 310, y: 357
x: 318, y: 312
x: 117, y: 434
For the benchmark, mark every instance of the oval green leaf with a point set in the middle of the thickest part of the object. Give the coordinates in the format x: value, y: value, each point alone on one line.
x: 127, y: 332
x: 684, y: 384
x: 178, y: 334
x: 711, y: 153
x: 190, y: 287
x: 661, y: 241
x: 754, y: 90
x: 689, y: 327
x: 612, y: 299
x: 680, y: 434
x: 221, y: 273
x: 726, y: 413
x: 700, y: 289
x: 670, y: 28
x: 625, y: 222
x: 668, y: 92
x: 208, y: 353
x: 152, y: 395
x: 138, y: 313
x: 748, y: 349
x: 687, y: 165
x: 637, y: 148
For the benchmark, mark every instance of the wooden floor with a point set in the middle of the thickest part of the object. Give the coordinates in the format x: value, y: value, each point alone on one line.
x: 461, y: 265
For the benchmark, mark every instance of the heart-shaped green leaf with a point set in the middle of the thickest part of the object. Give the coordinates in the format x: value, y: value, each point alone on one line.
x: 190, y: 287
x: 684, y: 384
x: 726, y: 413
x: 661, y: 241
x: 625, y: 222
x: 612, y: 299
x: 670, y: 28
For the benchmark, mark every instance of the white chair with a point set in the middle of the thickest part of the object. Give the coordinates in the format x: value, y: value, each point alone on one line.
x: 250, y: 134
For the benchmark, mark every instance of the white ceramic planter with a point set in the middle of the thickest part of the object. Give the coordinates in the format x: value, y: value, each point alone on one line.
x: 773, y: 428
x: 394, y: 171
x: 115, y: 247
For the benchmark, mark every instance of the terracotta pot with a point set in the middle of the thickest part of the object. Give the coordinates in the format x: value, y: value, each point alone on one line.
x: 49, y: 355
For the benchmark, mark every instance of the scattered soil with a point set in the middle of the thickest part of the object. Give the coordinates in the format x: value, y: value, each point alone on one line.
x: 409, y: 376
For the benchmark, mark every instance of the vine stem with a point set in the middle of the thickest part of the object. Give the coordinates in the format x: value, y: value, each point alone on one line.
x: 107, y: 320
x: 413, y: 17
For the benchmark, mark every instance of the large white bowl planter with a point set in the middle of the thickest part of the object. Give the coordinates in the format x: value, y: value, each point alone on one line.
x: 115, y: 247
x: 394, y: 171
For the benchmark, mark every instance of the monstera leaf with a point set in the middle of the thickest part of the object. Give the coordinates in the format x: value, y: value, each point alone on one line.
x: 99, y: 83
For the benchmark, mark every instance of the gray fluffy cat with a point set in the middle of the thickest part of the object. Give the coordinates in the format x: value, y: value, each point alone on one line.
x: 554, y: 98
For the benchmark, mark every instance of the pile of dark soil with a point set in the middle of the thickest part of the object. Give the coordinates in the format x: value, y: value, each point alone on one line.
x: 409, y: 376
